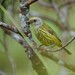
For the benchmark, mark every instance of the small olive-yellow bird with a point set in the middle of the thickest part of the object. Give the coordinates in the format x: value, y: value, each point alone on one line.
x: 45, y: 33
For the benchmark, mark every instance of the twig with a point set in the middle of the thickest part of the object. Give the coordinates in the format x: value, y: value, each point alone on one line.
x: 64, y: 45
x: 55, y: 6
x: 62, y: 15
x: 9, y: 27
x: 67, y: 3
x: 30, y: 2
x: 41, y: 2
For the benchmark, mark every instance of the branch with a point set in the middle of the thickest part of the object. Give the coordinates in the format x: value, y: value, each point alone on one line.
x: 64, y: 45
x: 55, y: 6
x: 30, y: 2
x: 24, y: 17
x: 62, y: 15
x: 9, y: 27
x: 41, y: 2
x: 66, y: 4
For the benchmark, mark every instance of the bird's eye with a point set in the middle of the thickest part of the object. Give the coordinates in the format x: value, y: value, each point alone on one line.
x: 34, y: 20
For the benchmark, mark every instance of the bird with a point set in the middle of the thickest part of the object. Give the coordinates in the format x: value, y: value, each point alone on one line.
x: 45, y: 34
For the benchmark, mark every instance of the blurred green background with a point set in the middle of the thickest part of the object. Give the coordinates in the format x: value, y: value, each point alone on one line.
x: 21, y: 60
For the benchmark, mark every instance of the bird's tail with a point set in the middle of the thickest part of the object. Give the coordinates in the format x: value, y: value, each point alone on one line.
x: 67, y: 51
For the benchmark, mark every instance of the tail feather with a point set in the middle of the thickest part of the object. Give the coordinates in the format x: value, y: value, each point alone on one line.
x: 67, y: 51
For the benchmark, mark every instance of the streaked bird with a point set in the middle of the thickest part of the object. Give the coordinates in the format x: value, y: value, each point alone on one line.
x: 45, y: 33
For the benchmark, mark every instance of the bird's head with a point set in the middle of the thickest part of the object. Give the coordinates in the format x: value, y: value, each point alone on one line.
x: 36, y: 21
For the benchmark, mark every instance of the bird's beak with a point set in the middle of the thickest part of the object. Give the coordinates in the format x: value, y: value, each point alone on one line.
x: 29, y: 22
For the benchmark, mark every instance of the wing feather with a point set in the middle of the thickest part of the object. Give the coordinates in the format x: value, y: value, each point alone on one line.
x: 46, y: 38
x: 50, y: 30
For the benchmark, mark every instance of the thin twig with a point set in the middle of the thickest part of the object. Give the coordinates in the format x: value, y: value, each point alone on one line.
x: 41, y: 2
x: 30, y: 2
x: 67, y: 3
x: 62, y: 15
x: 64, y: 45
x: 55, y: 6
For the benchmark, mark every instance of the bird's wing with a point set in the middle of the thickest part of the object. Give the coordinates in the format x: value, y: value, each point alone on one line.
x: 50, y: 30
x: 42, y: 36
